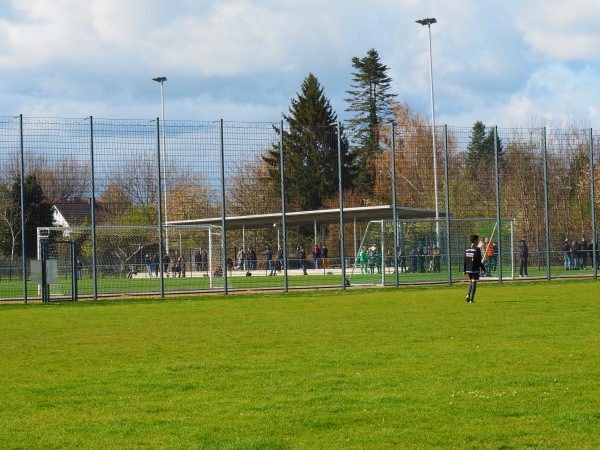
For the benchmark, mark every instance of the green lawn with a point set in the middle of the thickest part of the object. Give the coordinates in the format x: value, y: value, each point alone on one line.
x: 366, y: 369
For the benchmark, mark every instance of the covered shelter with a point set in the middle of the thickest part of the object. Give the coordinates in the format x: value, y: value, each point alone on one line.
x: 318, y: 216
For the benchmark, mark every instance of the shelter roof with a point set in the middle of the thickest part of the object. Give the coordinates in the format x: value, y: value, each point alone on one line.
x: 321, y: 216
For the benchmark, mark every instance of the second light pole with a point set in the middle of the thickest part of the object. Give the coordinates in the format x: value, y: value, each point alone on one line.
x: 161, y: 80
x: 428, y: 22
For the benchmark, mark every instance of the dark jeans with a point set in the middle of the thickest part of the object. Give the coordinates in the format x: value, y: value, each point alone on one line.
x: 523, y: 269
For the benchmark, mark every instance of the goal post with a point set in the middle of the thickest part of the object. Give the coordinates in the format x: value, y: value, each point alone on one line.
x: 419, y: 256
x: 134, y: 252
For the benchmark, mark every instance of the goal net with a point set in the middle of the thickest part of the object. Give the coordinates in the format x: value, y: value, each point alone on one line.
x: 134, y: 252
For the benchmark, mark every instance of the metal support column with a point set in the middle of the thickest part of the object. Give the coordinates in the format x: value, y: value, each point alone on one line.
x: 160, y: 216
x: 93, y: 210
x: 283, y: 211
x: 223, y: 210
x: 546, y: 208
x: 593, y: 201
x: 23, y: 234
x: 498, y: 219
x: 394, y: 206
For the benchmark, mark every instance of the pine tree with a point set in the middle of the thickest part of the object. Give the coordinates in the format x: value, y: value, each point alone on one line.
x: 481, y: 150
x: 38, y: 211
x: 310, y: 149
x: 370, y: 102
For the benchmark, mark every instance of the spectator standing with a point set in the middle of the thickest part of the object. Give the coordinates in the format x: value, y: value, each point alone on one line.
x: 241, y: 257
x: 429, y: 259
x: 436, y: 259
x: 198, y: 260
x: 575, y: 255
x: 389, y: 259
x: 489, y: 254
x: 155, y: 264
x: 251, y: 259
x: 324, y: 256
x: 303, y: 260
x: 413, y: 259
x: 182, y: 264
x: 166, y: 263
x: 421, y: 259
x: 401, y: 261
x: 565, y: 248
x: 278, y: 261
x: 583, y: 249
x: 524, y: 255
x: 316, y: 254
x: 204, y: 261
x: 493, y: 258
x: 148, y: 259
x: 268, y: 258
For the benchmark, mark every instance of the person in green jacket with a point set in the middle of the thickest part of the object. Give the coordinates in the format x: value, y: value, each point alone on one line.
x: 362, y: 260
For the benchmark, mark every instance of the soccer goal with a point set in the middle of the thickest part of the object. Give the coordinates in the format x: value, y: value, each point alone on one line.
x: 420, y: 258
x: 134, y: 252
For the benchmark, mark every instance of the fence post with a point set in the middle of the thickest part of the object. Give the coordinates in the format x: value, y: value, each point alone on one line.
x: 341, y: 199
x: 447, y: 199
x: 160, y: 217
x: 283, y: 219
x: 498, y: 219
x: 223, y: 210
x: 593, y: 201
x: 93, y: 210
x: 394, y: 206
x: 23, y: 234
x: 546, y: 207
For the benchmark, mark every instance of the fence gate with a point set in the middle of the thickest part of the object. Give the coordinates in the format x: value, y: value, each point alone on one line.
x: 61, y: 258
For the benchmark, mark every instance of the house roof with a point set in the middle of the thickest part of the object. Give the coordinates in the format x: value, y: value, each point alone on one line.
x: 74, y: 213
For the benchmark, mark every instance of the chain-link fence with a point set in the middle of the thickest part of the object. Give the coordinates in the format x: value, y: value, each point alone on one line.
x: 138, y: 196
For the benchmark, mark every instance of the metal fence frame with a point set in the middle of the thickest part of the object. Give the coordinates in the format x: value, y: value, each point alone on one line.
x: 226, y: 141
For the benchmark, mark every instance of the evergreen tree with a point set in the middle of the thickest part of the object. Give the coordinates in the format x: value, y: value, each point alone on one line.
x: 370, y: 102
x: 481, y: 150
x: 38, y: 213
x: 310, y: 149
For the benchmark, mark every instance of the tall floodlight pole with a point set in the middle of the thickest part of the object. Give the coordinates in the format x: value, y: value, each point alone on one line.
x: 428, y: 22
x: 161, y: 80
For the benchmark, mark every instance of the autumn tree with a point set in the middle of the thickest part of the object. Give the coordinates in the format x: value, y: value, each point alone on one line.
x: 252, y: 193
x: 192, y: 199
x: 63, y: 179
x: 414, y: 159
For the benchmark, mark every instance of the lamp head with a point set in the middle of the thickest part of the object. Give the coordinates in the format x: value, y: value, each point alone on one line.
x: 160, y: 79
x: 427, y: 22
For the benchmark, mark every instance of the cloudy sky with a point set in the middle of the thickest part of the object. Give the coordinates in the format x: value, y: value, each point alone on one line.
x: 506, y: 63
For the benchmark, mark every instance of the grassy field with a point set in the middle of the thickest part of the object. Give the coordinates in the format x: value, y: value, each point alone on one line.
x: 365, y: 369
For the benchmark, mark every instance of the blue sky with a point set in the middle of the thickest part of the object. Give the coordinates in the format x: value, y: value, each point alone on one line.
x: 507, y: 63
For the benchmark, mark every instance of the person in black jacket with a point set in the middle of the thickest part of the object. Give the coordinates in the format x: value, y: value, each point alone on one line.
x: 473, y: 266
x: 565, y: 248
x: 524, y: 255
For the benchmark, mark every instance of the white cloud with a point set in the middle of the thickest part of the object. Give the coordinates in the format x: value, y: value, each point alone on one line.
x: 560, y: 30
x: 493, y: 61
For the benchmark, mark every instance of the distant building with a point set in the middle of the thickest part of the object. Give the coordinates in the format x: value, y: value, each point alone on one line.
x: 72, y: 214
